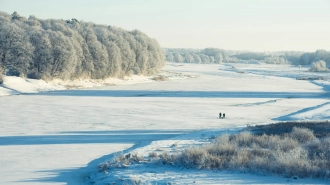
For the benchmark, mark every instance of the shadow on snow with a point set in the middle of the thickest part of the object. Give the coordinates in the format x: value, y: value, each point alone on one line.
x: 120, y: 136
x: 188, y: 94
x: 72, y: 176
x: 289, y: 116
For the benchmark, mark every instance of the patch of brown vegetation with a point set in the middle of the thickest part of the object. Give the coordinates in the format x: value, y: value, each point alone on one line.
x: 160, y: 78
x: 70, y: 86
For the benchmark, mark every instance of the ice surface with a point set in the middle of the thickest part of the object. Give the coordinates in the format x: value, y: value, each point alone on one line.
x: 49, y: 135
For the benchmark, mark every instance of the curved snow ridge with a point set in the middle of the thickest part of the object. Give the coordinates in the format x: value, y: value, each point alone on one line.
x: 5, y: 91
x: 256, y: 103
x: 13, y: 85
x: 319, y: 112
x: 18, y: 85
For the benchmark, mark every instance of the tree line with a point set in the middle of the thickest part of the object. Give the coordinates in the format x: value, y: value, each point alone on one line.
x: 215, y: 55
x: 207, y: 55
x: 70, y: 49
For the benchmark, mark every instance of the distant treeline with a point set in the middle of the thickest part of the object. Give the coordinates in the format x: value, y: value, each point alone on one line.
x: 69, y: 49
x: 215, y: 55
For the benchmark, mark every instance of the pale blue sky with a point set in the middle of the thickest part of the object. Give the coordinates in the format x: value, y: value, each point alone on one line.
x: 257, y: 25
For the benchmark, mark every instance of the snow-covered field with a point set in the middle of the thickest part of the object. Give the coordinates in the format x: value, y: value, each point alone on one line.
x: 50, y: 134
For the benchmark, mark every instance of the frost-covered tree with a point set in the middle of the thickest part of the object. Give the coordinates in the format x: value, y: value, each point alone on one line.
x: 170, y: 57
x: 309, y: 58
x: 319, y: 66
x: 15, y: 49
x: 189, y: 58
x: 215, y: 55
x: 218, y: 58
x: 74, y: 49
x: 178, y: 58
x: 275, y: 60
x: 16, y: 16
x: 211, y: 59
x: 205, y: 59
x: 207, y: 55
x: 41, y: 54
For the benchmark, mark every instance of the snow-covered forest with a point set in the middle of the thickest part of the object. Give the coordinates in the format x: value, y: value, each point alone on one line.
x: 215, y: 55
x: 71, y: 49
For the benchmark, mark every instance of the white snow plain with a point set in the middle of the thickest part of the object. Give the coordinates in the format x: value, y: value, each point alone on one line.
x: 50, y: 134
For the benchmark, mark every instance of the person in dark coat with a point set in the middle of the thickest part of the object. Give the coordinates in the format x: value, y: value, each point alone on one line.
x: 223, y: 116
x: 219, y: 115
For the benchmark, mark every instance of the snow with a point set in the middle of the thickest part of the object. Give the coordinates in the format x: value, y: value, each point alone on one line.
x: 20, y: 85
x: 319, y: 112
x: 5, y: 91
x: 40, y: 164
x: 83, y: 83
x: 58, y: 132
x: 17, y: 85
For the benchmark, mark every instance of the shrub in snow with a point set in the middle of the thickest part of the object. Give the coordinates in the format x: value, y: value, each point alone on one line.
x: 167, y: 158
x: 291, y: 154
x: 153, y: 155
x: 298, y: 153
x: 133, y: 181
x: 302, y: 135
x: 193, y: 158
x: 319, y: 66
x: 121, y: 161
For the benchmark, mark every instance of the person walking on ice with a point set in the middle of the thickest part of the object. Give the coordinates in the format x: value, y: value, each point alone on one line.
x: 220, y: 115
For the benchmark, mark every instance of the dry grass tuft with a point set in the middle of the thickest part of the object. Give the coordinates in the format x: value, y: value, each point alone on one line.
x: 298, y: 153
x: 133, y: 181
x: 121, y: 161
x: 192, y: 76
x: 290, y: 150
x: 153, y: 155
x: 320, y: 128
x: 73, y: 86
x: 160, y: 78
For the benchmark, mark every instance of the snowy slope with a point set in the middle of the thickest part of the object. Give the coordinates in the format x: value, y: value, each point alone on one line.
x: 5, y: 91
x: 60, y: 136
x: 20, y: 85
